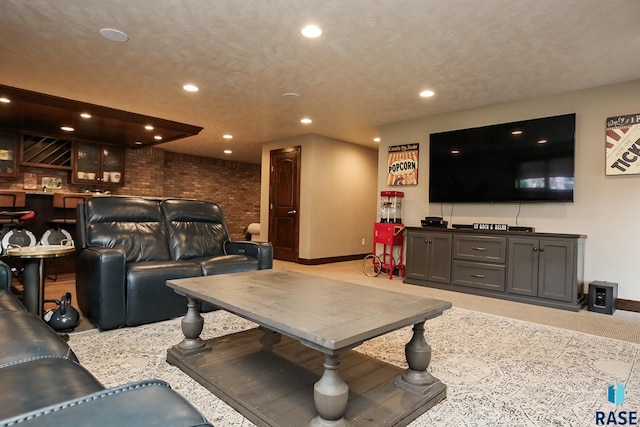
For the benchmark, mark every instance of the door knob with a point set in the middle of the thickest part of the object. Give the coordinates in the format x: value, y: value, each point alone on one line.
x: 292, y: 212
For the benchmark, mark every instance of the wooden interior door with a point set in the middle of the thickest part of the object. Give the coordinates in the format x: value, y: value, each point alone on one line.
x: 284, y: 203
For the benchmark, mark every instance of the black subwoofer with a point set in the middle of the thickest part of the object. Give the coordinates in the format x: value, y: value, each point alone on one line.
x: 602, y: 297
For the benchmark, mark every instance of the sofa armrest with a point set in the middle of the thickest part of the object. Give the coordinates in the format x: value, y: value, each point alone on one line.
x: 5, y: 277
x: 101, y: 286
x: 139, y: 404
x: 263, y: 252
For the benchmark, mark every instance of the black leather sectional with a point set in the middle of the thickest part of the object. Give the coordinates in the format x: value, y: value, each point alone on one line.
x: 43, y: 384
x: 130, y: 246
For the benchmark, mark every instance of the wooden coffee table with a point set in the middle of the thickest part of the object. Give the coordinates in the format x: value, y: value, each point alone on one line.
x: 268, y: 376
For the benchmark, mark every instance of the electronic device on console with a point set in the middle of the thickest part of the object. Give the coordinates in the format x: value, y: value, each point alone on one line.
x: 434, y: 221
x: 490, y: 227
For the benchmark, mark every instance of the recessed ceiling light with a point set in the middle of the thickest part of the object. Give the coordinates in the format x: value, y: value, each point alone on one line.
x: 306, y: 120
x: 228, y: 151
x: 376, y: 139
x: 114, y: 35
x: 138, y: 143
x: 427, y: 93
x: 291, y: 95
x: 5, y: 100
x: 190, y: 88
x: 157, y: 137
x: 148, y: 127
x: 516, y: 132
x: 67, y: 128
x: 542, y: 141
x: 455, y: 151
x: 227, y: 136
x: 85, y: 115
x: 311, y: 31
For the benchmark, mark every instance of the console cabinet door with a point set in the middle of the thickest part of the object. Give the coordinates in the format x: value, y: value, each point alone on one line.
x: 522, y: 268
x: 555, y: 269
x: 439, y: 257
x: 417, y: 252
x: 541, y: 268
x: 429, y: 256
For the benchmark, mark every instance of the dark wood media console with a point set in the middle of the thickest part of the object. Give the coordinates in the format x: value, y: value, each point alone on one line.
x: 537, y: 268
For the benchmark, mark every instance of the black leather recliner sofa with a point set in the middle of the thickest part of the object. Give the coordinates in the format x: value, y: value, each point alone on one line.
x: 43, y: 384
x: 130, y: 246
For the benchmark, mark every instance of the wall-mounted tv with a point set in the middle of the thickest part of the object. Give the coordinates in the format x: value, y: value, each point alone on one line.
x: 526, y: 161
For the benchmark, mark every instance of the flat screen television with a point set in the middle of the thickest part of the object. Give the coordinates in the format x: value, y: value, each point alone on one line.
x: 526, y: 161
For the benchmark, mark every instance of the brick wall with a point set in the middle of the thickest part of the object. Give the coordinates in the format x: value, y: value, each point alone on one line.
x: 154, y: 172
x: 235, y: 186
x: 144, y: 172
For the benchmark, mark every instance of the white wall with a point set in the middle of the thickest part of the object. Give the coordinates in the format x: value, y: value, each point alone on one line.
x: 605, y: 208
x: 337, y: 195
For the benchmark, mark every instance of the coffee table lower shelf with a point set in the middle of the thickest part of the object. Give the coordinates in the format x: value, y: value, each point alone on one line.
x: 269, y: 379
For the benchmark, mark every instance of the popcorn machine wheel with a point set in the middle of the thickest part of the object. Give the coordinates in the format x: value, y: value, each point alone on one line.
x: 389, y: 236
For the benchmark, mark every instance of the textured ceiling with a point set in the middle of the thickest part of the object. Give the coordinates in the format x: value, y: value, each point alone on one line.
x: 365, y: 71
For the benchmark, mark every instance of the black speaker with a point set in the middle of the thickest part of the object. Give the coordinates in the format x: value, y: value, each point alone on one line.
x: 602, y: 297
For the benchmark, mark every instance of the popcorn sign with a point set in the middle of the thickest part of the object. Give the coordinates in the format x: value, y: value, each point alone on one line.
x: 403, y: 165
x: 623, y: 145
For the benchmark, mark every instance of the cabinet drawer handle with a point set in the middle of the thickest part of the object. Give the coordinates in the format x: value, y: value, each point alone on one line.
x: 479, y: 276
x: 478, y: 248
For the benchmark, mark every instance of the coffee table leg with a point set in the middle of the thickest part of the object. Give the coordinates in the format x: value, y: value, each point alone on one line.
x: 330, y: 395
x: 418, y: 353
x: 192, y: 324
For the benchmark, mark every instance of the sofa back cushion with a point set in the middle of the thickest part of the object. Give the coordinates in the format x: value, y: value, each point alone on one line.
x: 131, y: 223
x: 196, y: 228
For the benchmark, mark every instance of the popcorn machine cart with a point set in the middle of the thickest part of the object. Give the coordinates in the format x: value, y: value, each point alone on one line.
x: 388, y: 233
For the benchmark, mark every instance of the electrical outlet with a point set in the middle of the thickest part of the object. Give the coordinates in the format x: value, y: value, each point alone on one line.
x: 363, y: 242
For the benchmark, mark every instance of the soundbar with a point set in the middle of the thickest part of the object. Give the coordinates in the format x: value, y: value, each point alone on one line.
x: 519, y: 228
x: 469, y: 226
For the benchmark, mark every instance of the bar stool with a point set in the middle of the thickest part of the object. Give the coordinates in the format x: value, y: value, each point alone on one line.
x: 10, y: 200
x: 62, y: 227
x: 64, y: 205
x: 13, y: 230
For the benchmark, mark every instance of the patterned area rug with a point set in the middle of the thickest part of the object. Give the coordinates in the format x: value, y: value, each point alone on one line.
x: 499, y: 371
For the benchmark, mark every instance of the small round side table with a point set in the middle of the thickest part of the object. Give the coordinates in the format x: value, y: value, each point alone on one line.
x: 33, y: 275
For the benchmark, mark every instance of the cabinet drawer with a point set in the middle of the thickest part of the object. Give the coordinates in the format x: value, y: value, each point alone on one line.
x: 480, y: 248
x: 479, y: 275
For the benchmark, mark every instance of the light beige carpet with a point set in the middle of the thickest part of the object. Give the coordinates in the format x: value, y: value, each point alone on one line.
x: 499, y: 371
x: 622, y: 325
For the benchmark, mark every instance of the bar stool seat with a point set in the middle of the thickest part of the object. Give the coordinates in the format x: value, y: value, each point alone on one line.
x: 12, y: 224
x: 10, y: 200
x: 62, y: 226
x: 64, y: 205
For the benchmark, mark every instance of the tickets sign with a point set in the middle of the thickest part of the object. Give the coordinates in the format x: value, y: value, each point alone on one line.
x: 403, y: 165
x: 623, y: 145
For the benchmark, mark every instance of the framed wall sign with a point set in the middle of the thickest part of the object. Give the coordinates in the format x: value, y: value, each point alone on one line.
x: 623, y: 145
x: 403, y: 164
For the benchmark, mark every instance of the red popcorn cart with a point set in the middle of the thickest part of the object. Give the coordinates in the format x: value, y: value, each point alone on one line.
x: 389, y: 233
